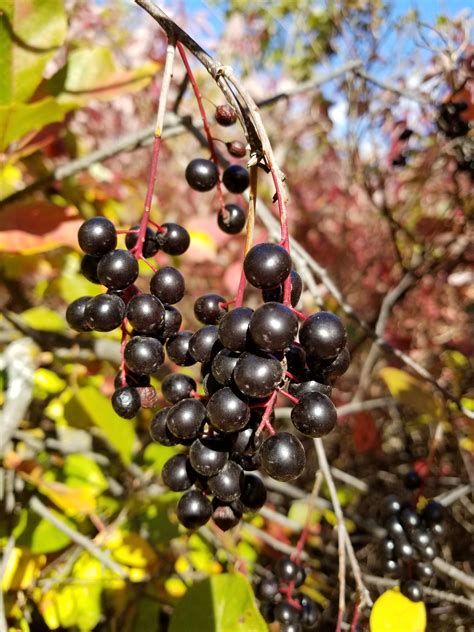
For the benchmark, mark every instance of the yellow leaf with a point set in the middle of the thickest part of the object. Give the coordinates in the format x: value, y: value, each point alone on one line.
x: 393, y: 612
x: 410, y: 392
x: 133, y: 551
x: 22, y: 569
x: 203, y: 247
x: 175, y: 587
x: 48, y: 609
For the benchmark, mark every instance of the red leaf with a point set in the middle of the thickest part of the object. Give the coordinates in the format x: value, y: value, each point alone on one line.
x: 365, y: 433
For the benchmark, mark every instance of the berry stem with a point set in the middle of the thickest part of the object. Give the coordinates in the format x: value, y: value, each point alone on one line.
x: 205, y: 122
x: 292, y: 398
x: 123, y: 368
x: 300, y: 315
x: 150, y: 265
x: 249, y: 230
x: 306, y: 530
x: 355, y: 617
x: 126, y: 232
x: 160, y: 117
x: 285, y: 238
x: 265, y: 423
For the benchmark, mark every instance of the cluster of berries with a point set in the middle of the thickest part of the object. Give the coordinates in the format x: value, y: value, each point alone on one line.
x: 409, y: 546
x: 281, y: 601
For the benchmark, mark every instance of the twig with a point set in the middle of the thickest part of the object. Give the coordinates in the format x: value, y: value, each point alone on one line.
x: 401, y: 92
x: 7, y: 551
x: 454, y: 573
x: 39, y: 508
x: 448, y: 498
x: 287, y: 549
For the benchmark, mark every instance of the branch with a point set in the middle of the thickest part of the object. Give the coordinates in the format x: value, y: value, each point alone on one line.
x: 7, y: 551
x: 454, y: 573
x: 401, y: 92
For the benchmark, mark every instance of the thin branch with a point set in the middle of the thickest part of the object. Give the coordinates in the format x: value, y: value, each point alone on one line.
x: 278, y: 545
x: 389, y: 87
x: 454, y: 573
x: 448, y: 498
x: 7, y: 551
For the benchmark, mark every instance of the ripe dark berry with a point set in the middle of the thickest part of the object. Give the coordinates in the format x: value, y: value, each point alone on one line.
x: 267, y: 588
x: 315, y: 415
x: 168, y: 285
x: 227, y: 412
x: 330, y: 369
x: 403, y: 549
x: 323, y: 335
x: 226, y: 484
x: 283, y: 456
x: 428, y: 552
x: 253, y: 494
x: 202, y: 174
x: 97, y: 236
x: 148, y: 396
x: 246, y: 441
x: 235, y: 178
x: 175, y: 240
x: 177, y: 386
x: 117, y: 269
x: 177, y: 473
x: 146, y: 313
x: 257, y: 376
x: 421, y: 538
x: 233, y: 328
x: 193, y: 509
x: 236, y: 148
x: 185, y: 418
x: 208, y: 456
x: 391, y: 505
x: 225, y: 115
x: 126, y: 402
x: 310, y: 613
x: 89, y: 268
x: 172, y: 322
x: 412, y: 480
x: 300, y: 389
x: 394, y: 527
x: 409, y: 519
x: 104, y: 312
x: 273, y: 327
x: 150, y: 245
x: 177, y: 348
x: 424, y: 570
x: 267, y: 610
x: 225, y: 516
x: 210, y: 384
x: 388, y: 547
x: 209, y: 308
x: 223, y: 366
x: 276, y: 293
x: 159, y: 431
x: 285, y: 612
x: 204, y: 343
x: 144, y: 355
x: 76, y: 314
x: 231, y: 219
x: 433, y: 513
x: 131, y: 379
x: 267, y: 265
x: 412, y: 589
x: 391, y: 566
x: 286, y: 569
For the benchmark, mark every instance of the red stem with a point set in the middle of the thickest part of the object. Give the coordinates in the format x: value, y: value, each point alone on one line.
x: 265, y: 423
x: 123, y: 368
x: 239, y: 298
x: 207, y: 129
x: 285, y: 238
x: 300, y: 315
x: 355, y: 617
x: 292, y: 398
x: 340, y: 617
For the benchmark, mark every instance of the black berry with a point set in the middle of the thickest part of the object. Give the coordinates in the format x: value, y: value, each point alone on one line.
x: 267, y: 265
x: 202, y: 174
x: 97, y: 236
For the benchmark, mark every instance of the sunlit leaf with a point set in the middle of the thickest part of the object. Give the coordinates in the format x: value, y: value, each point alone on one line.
x: 393, y: 612
x: 131, y: 550
x: 81, y: 471
x: 22, y: 569
x: 48, y: 320
x: 40, y: 536
x: 410, y: 391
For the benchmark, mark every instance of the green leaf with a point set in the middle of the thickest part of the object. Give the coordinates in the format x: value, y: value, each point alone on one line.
x: 80, y: 470
x: 18, y: 119
x: 147, y: 618
x: 89, y: 406
x: 40, y: 536
x: 156, y: 456
x: 30, y: 32
x: 222, y: 603
x: 43, y: 318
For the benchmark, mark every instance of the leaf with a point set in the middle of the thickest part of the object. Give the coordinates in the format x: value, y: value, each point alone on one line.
x: 40, y: 536
x: 156, y: 455
x: 393, y: 612
x: 410, y: 392
x: 18, y: 119
x: 131, y: 550
x: 43, y: 226
x: 47, y: 320
x: 30, y: 31
x: 23, y: 567
x: 81, y: 471
x: 148, y: 615
x: 222, y: 603
x: 90, y: 406
x: 71, y: 501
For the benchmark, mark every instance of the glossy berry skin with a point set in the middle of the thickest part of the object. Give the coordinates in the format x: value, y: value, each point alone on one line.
x: 175, y: 240
x: 330, y: 369
x: 412, y: 480
x: 300, y: 389
x: 144, y: 355
x: 424, y: 570
x: 273, y: 327
x: 208, y: 456
x: 392, y: 566
x: 209, y: 309
x: 276, y: 293
x: 266, y: 610
x: 315, y: 415
x: 231, y: 219
x: 76, y: 314
x: 403, y: 549
x: 146, y: 313
x: 310, y: 612
x: 283, y: 456
x: 171, y: 323
x: 421, y: 538
x: 323, y: 335
x: 234, y: 328
x: 285, y: 612
x: 257, y: 376
x: 104, y: 312
x: 388, y: 547
x: 412, y: 589
x: 267, y: 265
x: 204, y: 343
x: 428, y: 552
x: 89, y: 268
x: 236, y: 148
x: 150, y: 245
x: 131, y: 379
x: 253, y: 494
x: 168, y: 285
x: 97, y: 236
x: 225, y: 516
x: 246, y: 441
x: 286, y: 569
x: 177, y: 473
x: 268, y: 588
x: 225, y: 115
x: 159, y: 431
x: 210, y: 384
x: 117, y: 269
x: 223, y: 366
x: 185, y: 418
x: 433, y: 513
x: 227, y: 412
x: 391, y: 505
x: 126, y: 402
x: 226, y: 484
x: 235, y: 178
x: 409, y: 519
x: 177, y: 348
x: 177, y: 386
x: 201, y: 174
x: 193, y: 509
x: 394, y: 527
